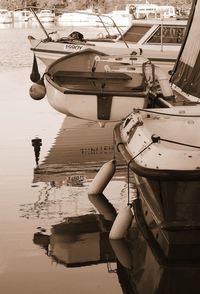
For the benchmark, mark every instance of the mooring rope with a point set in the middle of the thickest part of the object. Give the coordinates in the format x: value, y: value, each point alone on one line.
x: 156, y: 139
x: 128, y: 168
x: 167, y: 114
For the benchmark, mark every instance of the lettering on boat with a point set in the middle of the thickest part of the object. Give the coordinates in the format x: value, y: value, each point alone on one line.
x: 73, y: 47
x: 97, y: 150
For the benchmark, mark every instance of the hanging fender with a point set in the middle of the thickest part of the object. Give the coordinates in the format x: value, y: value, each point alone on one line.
x: 102, y: 178
x: 37, y: 90
x: 35, y: 75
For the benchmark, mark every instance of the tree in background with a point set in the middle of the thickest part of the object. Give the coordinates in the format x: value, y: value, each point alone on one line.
x: 102, y: 6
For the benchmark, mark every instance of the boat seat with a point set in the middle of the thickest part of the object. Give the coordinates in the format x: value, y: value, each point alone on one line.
x: 92, y: 75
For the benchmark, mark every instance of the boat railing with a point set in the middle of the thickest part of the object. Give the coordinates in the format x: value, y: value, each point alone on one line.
x: 100, y: 17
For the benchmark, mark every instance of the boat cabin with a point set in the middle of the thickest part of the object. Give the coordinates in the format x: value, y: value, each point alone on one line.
x: 155, y: 32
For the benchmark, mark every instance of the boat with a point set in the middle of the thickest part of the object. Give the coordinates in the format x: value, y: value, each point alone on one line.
x: 122, y: 18
x: 45, y: 16
x: 5, y: 16
x: 78, y: 19
x: 156, y: 39
x: 22, y: 15
x: 165, y: 162
x: 98, y: 87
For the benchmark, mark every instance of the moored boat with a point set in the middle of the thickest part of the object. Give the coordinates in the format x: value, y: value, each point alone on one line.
x: 157, y: 40
x: 5, y: 16
x: 45, y: 16
x: 161, y: 147
x: 98, y: 87
x: 22, y: 15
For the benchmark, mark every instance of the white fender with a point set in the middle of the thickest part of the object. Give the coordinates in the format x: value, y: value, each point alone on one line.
x: 102, y: 178
x: 122, y: 252
x: 103, y: 206
x: 121, y: 223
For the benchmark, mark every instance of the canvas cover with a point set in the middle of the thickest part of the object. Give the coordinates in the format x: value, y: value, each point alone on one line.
x: 186, y: 73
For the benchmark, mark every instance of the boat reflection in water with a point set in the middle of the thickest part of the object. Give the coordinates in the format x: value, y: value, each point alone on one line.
x: 80, y: 148
x: 79, y: 236
x: 139, y: 270
x: 62, y: 178
x: 78, y: 241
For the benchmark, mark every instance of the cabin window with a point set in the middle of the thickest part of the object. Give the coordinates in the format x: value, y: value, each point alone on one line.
x: 135, y: 33
x: 170, y: 35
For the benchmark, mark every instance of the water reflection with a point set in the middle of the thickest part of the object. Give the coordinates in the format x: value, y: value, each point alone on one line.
x: 74, y: 232
x: 139, y: 269
x: 139, y: 272
x: 78, y: 235
x: 78, y: 241
x: 37, y: 143
x: 69, y: 229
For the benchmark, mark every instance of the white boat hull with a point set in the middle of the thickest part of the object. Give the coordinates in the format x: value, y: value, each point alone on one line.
x: 172, y: 137
x: 94, y: 86
x: 162, y: 149
x: 86, y: 106
x: 49, y: 52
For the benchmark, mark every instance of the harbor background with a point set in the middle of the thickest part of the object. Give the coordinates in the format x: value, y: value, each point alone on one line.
x: 34, y: 199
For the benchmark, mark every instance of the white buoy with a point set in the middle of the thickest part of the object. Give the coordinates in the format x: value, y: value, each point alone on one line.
x: 121, y: 223
x: 122, y: 252
x: 102, y: 178
x: 37, y: 91
x: 103, y: 206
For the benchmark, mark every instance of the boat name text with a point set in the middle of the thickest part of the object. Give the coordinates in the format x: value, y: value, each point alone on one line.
x: 73, y: 47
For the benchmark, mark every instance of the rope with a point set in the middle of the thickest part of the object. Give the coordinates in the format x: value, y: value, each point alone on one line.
x: 128, y: 168
x: 156, y: 139
x: 168, y: 114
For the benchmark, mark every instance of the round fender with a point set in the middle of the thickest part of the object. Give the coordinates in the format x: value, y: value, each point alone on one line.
x: 38, y: 91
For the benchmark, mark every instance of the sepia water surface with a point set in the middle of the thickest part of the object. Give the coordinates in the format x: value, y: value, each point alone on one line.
x: 39, y: 251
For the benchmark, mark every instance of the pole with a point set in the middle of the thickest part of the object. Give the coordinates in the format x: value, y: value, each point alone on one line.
x: 41, y: 25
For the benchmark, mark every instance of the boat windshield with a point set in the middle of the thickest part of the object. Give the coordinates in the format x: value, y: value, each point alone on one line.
x: 170, y: 35
x: 135, y: 33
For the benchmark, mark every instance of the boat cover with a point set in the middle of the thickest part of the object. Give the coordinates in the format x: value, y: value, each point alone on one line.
x: 186, y: 73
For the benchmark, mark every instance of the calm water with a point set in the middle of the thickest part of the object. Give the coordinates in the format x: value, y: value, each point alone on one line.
x: 34, y: 256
